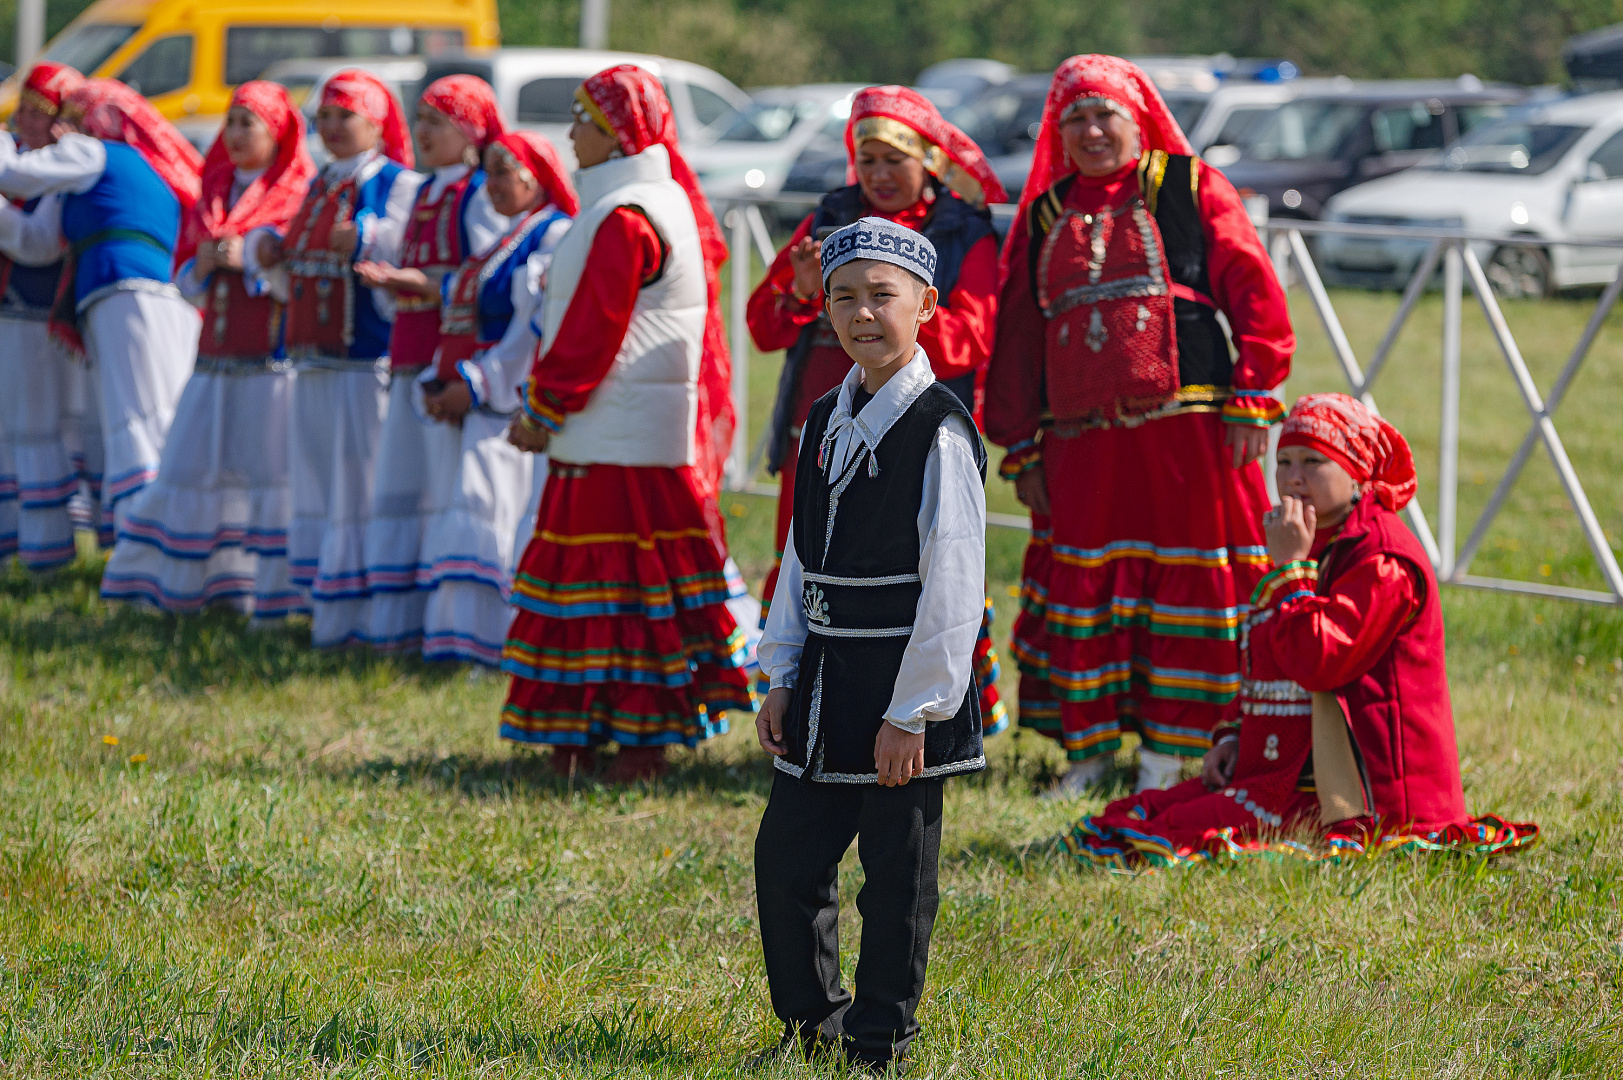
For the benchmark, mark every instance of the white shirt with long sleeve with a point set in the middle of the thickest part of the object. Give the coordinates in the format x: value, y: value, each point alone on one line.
x: 939, y: 661
x: 73, y: 164
x: 32, y: 237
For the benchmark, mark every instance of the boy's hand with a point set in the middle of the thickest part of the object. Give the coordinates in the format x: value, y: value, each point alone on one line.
x: 899, y: 755
x: 1218, y: 767
x: 1289, y: 528
x: 769, y: 720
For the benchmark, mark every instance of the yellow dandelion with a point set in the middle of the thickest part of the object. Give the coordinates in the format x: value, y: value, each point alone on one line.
x: 138, y: 759
x: 1545, y: 569
x: 110, y: 740
x: 1514, y: 651
x: 738, y: 510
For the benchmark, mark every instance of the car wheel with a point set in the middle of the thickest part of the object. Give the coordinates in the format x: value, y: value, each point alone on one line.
x: 1520, y: 273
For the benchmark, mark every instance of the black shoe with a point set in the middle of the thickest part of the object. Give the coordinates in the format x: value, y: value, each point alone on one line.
x: 811, y: 1044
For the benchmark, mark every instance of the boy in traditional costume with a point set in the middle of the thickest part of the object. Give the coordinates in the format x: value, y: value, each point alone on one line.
x: 126, y: 177
x: 1345, y: 726
x: 869, y: 652
x: 623, y: 633
x: 451, y: 220
x: 213, y: 528
x: 41, y: 435
x: 487, y: 341
x: 1132, y: 433
x: 907, y: 164
x: 338, y: 339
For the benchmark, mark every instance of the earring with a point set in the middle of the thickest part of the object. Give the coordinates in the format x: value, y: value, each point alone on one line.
x: 470, y: 156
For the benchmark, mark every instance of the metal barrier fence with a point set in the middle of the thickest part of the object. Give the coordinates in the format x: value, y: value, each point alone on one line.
x: 1455, y: 251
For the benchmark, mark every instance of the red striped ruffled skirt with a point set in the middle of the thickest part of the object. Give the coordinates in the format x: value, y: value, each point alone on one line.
x: 622, y: 632
x: 1134, y: 589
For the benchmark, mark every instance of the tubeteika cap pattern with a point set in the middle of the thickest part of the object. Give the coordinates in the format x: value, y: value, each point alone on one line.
x: 881, y: 240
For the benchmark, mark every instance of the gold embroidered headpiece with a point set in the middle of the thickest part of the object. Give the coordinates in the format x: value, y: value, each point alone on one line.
x: 936, y: 162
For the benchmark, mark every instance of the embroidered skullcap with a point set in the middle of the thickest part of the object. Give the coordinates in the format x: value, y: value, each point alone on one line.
x: 1370, y: 449
x: 48, y: 83
x: 883, y: 241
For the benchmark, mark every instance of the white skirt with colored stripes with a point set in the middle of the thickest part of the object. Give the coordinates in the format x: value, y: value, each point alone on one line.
x: 213, y: 527
x: 38, y: 475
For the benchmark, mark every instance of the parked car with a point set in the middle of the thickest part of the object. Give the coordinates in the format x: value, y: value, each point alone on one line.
x: 536, y: 88
x: 1552, y: 171
x: 304, y: 80
x: 188, y: 57
x: 755, y: 149
x: 1327, y: 139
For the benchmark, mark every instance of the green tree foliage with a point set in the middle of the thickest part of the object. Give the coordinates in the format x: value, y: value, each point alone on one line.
x: 780, y: 41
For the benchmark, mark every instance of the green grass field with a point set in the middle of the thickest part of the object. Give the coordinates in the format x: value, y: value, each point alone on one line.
x: 222, y: 854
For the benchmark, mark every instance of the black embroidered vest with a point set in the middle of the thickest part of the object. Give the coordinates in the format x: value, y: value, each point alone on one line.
x: 858, y: 540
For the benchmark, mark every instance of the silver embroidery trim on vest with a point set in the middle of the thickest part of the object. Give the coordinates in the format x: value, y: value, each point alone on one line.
x: 860, y: 632
x: 1274, y: 690
x: 831, y: 579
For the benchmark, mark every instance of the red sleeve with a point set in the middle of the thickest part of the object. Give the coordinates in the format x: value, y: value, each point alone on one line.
x: 959, y: 339
x: 1248, y: 291
x: 1014, y: 389
x: 626, y: 253
x: 774, y: 316
x: 1323, y: 642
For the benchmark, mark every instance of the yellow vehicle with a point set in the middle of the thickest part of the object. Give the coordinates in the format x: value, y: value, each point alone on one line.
x: 188, y: 55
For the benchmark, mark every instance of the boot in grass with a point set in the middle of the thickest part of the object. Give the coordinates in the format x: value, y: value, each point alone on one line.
x: 634, y: 763
x: 574, y: 760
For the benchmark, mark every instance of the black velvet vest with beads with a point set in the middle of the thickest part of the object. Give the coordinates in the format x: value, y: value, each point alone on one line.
x: 858, y: 541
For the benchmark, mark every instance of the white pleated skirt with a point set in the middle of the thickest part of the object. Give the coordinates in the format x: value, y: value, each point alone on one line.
x: 141, y: 346
x: 213, y: 527
x: 471, y: 547
x: 38, y: 476
x: 416, y: 467
x: 337, y: 422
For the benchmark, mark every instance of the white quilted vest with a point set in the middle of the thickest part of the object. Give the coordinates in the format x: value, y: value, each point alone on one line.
x: 646, y: 409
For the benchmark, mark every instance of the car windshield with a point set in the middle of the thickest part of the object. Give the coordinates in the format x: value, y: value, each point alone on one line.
x: 86, y: 48
x: 1187, y: 109
x: 1512, y: 146
x: 763, y: 121
x: 1298, y: 130
x: 1001, y: 120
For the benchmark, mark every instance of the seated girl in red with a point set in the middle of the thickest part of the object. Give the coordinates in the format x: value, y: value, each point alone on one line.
x: 1345, y: 723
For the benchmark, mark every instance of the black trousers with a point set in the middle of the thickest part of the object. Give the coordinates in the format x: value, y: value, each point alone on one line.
x: 804, y: 833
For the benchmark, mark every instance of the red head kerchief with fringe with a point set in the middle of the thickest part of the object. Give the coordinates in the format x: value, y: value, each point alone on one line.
x: 631, y: 105
x: 364, y: 93
x: 536, y: 154
x: 1371, y: 450
x: 107, y: 109
x: 273, y: 196
x: 947, y: 153
x: 48, y: 85
x: 1117, y: 82
x: 469, y: 103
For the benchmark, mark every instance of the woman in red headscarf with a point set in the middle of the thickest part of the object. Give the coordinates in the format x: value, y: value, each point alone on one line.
x: 125, y: 178
x: 213, y: 528
x: 337, y: 336
x: 1133, y: 436
x: 622, y: 633
x: 906, y: 164
x: 43, y: 432
x: 1345, y: 723
x: 451, y: 220
x: 487, y: 341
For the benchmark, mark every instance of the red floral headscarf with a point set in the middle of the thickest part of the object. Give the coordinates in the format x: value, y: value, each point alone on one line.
x: 536, y: 154
x: 48, y: 84
x: 1120, y: 84
x: 628, y: 103
x: 273, y: 196
x: 107, y: 109
x: 469, y: 103
x: 364, y: 93
x: 907, y: 120
x: 1372, y: 451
